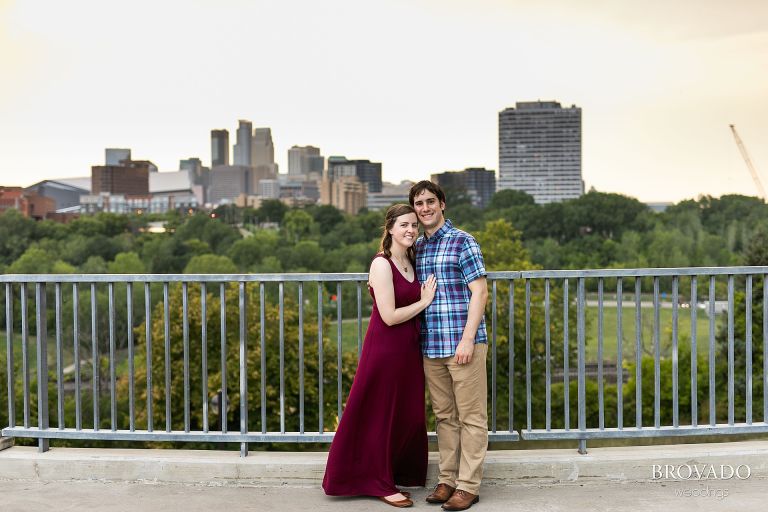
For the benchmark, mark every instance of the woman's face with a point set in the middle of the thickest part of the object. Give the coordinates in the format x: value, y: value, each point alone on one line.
x: 405, y: 230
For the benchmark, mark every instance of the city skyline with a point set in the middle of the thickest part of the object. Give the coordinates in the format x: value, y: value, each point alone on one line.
x: 658, y: 85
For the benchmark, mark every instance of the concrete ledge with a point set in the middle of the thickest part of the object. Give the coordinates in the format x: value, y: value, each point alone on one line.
x: 268, y: 469
x: 5, y: 442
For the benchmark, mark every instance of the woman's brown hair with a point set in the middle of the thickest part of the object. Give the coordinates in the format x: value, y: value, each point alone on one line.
x: 395, y: 211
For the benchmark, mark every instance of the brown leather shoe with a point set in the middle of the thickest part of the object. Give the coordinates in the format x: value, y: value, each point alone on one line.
x: 399, y: 504
x: 461, y: 500
x: 441, y: 493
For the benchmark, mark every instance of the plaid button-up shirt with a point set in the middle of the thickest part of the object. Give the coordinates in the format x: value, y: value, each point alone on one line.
x: 454, y: 257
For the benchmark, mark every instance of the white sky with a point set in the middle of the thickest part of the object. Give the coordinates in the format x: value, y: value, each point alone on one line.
x: 414, y: 84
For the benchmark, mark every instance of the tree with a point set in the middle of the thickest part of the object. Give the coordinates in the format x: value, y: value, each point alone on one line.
x: 210, y: 264
x: 231, y: 361
x: 271, y: 210
x: 297, y: 225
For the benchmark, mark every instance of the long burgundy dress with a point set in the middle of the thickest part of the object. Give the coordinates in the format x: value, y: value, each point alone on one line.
x: 381, y: 440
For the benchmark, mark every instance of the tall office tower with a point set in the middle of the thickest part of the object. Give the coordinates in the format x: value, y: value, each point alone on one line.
x: 540, y: 150
x: 262, y: 148
x: 115, y: 156
x: 303, y: 160
x: 367, y: 172
x: 478, y: 183
x: 242, y: 149
x: 219, y: 147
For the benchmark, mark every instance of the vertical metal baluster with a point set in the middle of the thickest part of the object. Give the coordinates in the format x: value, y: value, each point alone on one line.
x: 148, y: 327
x: 638, y: 355
x: 748, y: 336
x: 204, y: 351
x: 95, y: 360
x: 712, y: 419
x: 167, y: 337
x: 580, y: 339
x: 765, y: 348
x: 566, y: 363
x: 338, y: 347
x: 359, y: 320
x: 263, y: 362
x: 9, y: 351
x: 511, y: 369
x: 224, y: 405
x: 675, y: 387
x: 548, y: 358
x: 42, y: 364
x: 76, y: 354
x: 694, y: 356
x: 59, y: 359
x: 730, y: 352
x: 243, y: 370
x: 320, y: 357
x: 529, y: 415
x: 619, y: 356
x: 131, y: 397
x: 25, y: 352
x: 493, y: 358
x: 281, y: 292
x: 185, y: 349
x: 600, y: 390
x: 112, y: 350
x: 656, y: 355
x: 301, y: 357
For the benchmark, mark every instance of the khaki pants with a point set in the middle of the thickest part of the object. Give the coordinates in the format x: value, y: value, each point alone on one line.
x: 459, y: 399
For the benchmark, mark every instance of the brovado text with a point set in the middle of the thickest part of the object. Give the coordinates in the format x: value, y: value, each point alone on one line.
x: 700, y: 472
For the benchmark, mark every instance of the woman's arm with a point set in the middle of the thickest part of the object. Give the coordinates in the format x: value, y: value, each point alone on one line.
x: 380, y: 279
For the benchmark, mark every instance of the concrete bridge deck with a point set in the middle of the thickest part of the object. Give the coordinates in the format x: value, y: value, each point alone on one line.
x: 606, y: 479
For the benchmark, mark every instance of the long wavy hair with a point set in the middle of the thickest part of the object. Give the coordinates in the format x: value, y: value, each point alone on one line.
x: 391, y: 216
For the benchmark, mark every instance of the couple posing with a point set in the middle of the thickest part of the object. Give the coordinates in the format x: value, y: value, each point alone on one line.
x: 427, y: 321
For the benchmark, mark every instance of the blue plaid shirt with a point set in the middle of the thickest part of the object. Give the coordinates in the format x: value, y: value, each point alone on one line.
x: 454, y: 257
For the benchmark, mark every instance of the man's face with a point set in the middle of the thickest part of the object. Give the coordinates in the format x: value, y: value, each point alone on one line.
x: 428, y: 209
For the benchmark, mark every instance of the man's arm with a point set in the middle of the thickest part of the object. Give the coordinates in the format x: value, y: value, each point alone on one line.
x: 475, y: 311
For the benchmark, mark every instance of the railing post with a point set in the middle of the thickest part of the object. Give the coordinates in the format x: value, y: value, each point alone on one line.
x: 41, y: 317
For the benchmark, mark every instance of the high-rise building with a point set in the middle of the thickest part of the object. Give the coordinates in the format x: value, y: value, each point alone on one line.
x: 229, y: 182
x: 219, y: 147
x: 262, y: 147
x: 366, y: 171
x: 303, y: 160
x: 346, y: 193
x: 242, y: 149
x: 115, y: 156
x: 478, y: 183
x: 540, y: 150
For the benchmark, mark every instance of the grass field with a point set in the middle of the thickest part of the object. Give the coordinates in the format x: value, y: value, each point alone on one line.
x: 349, y: 332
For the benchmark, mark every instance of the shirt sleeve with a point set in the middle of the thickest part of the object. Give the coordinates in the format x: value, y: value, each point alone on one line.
x: 471, y: 261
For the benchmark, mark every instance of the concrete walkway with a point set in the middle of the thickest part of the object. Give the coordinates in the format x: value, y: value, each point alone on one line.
x: 647, y: 478
x: 21, y: 496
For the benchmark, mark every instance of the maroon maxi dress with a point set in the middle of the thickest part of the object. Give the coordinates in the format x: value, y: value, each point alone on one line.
x: 381, y: 440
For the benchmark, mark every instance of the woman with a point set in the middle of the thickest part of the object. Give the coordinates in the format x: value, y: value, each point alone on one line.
x: 381, y: 440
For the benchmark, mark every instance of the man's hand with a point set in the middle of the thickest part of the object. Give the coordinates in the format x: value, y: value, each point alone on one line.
x: 464, y: 351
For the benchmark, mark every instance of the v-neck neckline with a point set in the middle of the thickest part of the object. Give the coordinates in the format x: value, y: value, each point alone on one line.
x: 391, y: 261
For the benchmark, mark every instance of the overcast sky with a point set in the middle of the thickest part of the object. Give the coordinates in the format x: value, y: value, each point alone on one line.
x: 414, y: 84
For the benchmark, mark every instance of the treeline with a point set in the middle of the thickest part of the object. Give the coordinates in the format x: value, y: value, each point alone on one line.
x: 597, y: 230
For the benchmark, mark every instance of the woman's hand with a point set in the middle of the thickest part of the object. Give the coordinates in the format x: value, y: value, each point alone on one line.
x: 428, y: 289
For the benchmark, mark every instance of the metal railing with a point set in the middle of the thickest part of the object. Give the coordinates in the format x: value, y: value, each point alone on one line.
x: 528, y: 347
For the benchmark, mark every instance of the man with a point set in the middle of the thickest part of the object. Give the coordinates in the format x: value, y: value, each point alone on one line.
x: 454, y: 346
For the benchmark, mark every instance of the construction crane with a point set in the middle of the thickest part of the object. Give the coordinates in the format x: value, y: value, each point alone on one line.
x: 748, y: 161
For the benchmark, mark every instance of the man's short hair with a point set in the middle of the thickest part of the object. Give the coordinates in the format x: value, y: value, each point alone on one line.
x: 423, y: 185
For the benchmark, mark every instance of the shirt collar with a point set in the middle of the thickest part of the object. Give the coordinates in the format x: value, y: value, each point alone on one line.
x: 440, y: 232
